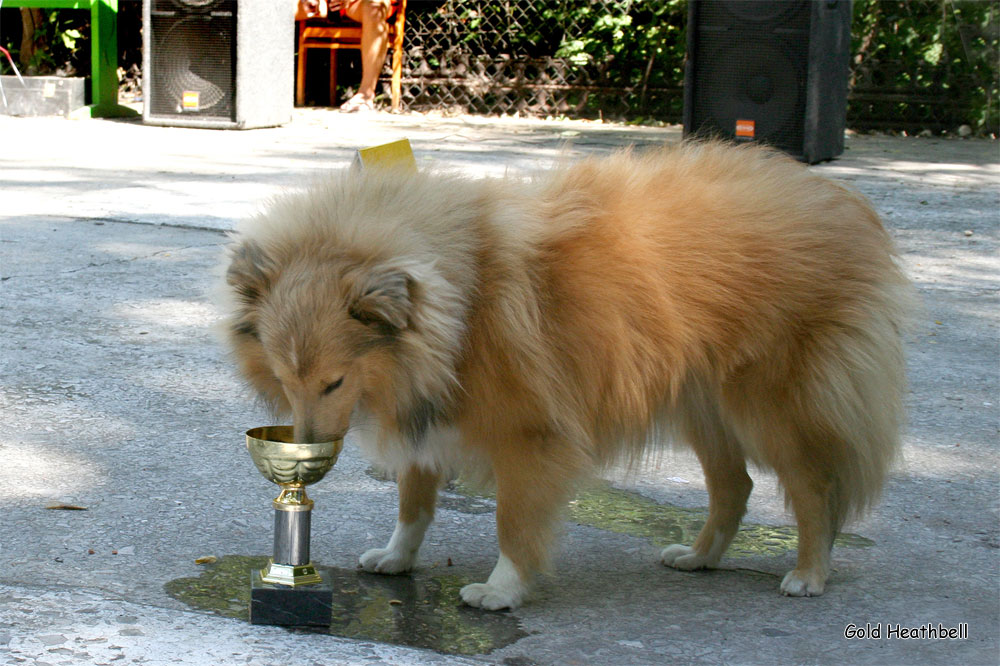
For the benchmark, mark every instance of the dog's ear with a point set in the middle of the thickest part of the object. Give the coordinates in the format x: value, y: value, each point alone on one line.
x: 249, y: 272
x: 383, y: 298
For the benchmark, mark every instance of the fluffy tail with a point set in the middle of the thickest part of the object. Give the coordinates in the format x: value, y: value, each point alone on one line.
x: 856, y: 396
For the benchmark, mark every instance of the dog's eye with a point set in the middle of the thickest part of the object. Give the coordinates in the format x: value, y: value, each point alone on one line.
x: 333, y: 386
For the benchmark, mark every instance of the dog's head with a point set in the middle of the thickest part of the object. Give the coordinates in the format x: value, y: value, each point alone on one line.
x: 317, y: 335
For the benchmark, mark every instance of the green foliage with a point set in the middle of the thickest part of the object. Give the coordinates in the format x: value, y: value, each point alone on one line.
x: 943, y: 54
x: 635, y: 44
x: 60, y: 41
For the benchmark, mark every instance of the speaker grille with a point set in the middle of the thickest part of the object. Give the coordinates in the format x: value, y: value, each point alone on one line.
x: 750, y: 74
x: 193, y: 59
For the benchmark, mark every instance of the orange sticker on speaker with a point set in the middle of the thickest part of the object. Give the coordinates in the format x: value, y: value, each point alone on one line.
x: 746, y: 128
x: 189, y: 100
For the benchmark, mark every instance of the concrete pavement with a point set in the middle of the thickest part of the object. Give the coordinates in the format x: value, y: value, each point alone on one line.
x: 116, y: 398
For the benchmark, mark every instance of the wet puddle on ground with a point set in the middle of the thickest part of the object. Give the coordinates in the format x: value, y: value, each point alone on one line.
x: 414, y: 610
x: 424, y: 610
x: 626, y: 512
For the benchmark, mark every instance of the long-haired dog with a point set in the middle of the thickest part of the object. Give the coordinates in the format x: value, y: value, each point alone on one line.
x: 534, y: 331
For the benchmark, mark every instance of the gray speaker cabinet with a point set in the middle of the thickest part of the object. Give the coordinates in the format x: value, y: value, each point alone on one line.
x: 221, y: 64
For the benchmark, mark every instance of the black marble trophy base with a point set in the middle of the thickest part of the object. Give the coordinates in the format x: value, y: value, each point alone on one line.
x: 307, y: 605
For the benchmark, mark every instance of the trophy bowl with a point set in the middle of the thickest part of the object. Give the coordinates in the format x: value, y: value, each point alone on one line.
x: 286, y: 462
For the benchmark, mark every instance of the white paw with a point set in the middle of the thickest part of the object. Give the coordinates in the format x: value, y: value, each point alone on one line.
x: 386, y: 561
x: 803, y: 584
x: 400, y: 554
x: 686, y: 558
x: 490, y: 597
x: 503, y: 589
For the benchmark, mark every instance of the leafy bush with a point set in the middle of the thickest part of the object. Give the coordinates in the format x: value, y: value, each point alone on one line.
x: 926, y: 61
x: 59, y: 38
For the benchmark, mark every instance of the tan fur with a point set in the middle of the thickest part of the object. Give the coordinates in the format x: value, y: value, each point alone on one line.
x: 724, y: 295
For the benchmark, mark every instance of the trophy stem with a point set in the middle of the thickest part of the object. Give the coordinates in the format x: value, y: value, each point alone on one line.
x: 291, y: 533
x: 292, y: 527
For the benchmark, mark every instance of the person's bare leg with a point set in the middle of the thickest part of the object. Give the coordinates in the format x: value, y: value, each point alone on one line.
x: 371, y: 14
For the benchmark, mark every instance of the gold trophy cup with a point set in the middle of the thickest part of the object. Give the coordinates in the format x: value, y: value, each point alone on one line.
x: 290, y: 590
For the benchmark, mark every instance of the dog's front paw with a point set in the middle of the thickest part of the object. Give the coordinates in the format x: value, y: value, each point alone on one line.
x: 503, y: 589
x: 491, y: 597
x: 386, y: 561
x: 685, y: 558
x: 803, y: 584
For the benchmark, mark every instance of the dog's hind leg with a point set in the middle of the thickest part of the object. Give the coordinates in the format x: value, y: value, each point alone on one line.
x: 729, y: 486
x: 804, y: 456
x: 810, y: 496
x: 532, y: 487
x: 418, y: 489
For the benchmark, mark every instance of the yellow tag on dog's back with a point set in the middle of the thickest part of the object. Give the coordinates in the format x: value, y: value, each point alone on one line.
x: 397, y: 154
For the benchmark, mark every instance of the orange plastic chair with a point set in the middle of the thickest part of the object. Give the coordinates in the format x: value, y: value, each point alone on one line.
x: 338, y: 33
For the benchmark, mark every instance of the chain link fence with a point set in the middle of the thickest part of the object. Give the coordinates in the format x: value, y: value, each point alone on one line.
x: 916, y: 64
x: 541, y: 58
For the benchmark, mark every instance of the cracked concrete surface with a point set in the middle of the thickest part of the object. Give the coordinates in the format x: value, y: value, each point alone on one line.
x: 115, y: 396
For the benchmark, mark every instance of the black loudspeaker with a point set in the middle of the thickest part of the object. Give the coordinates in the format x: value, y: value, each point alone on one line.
x: 218, y: 63
x: 773, y: 71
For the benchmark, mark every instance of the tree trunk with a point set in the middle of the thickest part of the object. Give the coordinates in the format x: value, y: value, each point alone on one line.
x: 32, y: 20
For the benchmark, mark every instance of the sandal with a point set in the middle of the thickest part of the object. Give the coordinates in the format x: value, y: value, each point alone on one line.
x: 357, y: 104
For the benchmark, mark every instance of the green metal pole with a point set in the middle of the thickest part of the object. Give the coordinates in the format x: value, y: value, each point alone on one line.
x: 104, y: 60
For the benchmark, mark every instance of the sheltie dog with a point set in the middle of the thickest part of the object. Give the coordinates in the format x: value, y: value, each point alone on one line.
x: 530, y: 332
